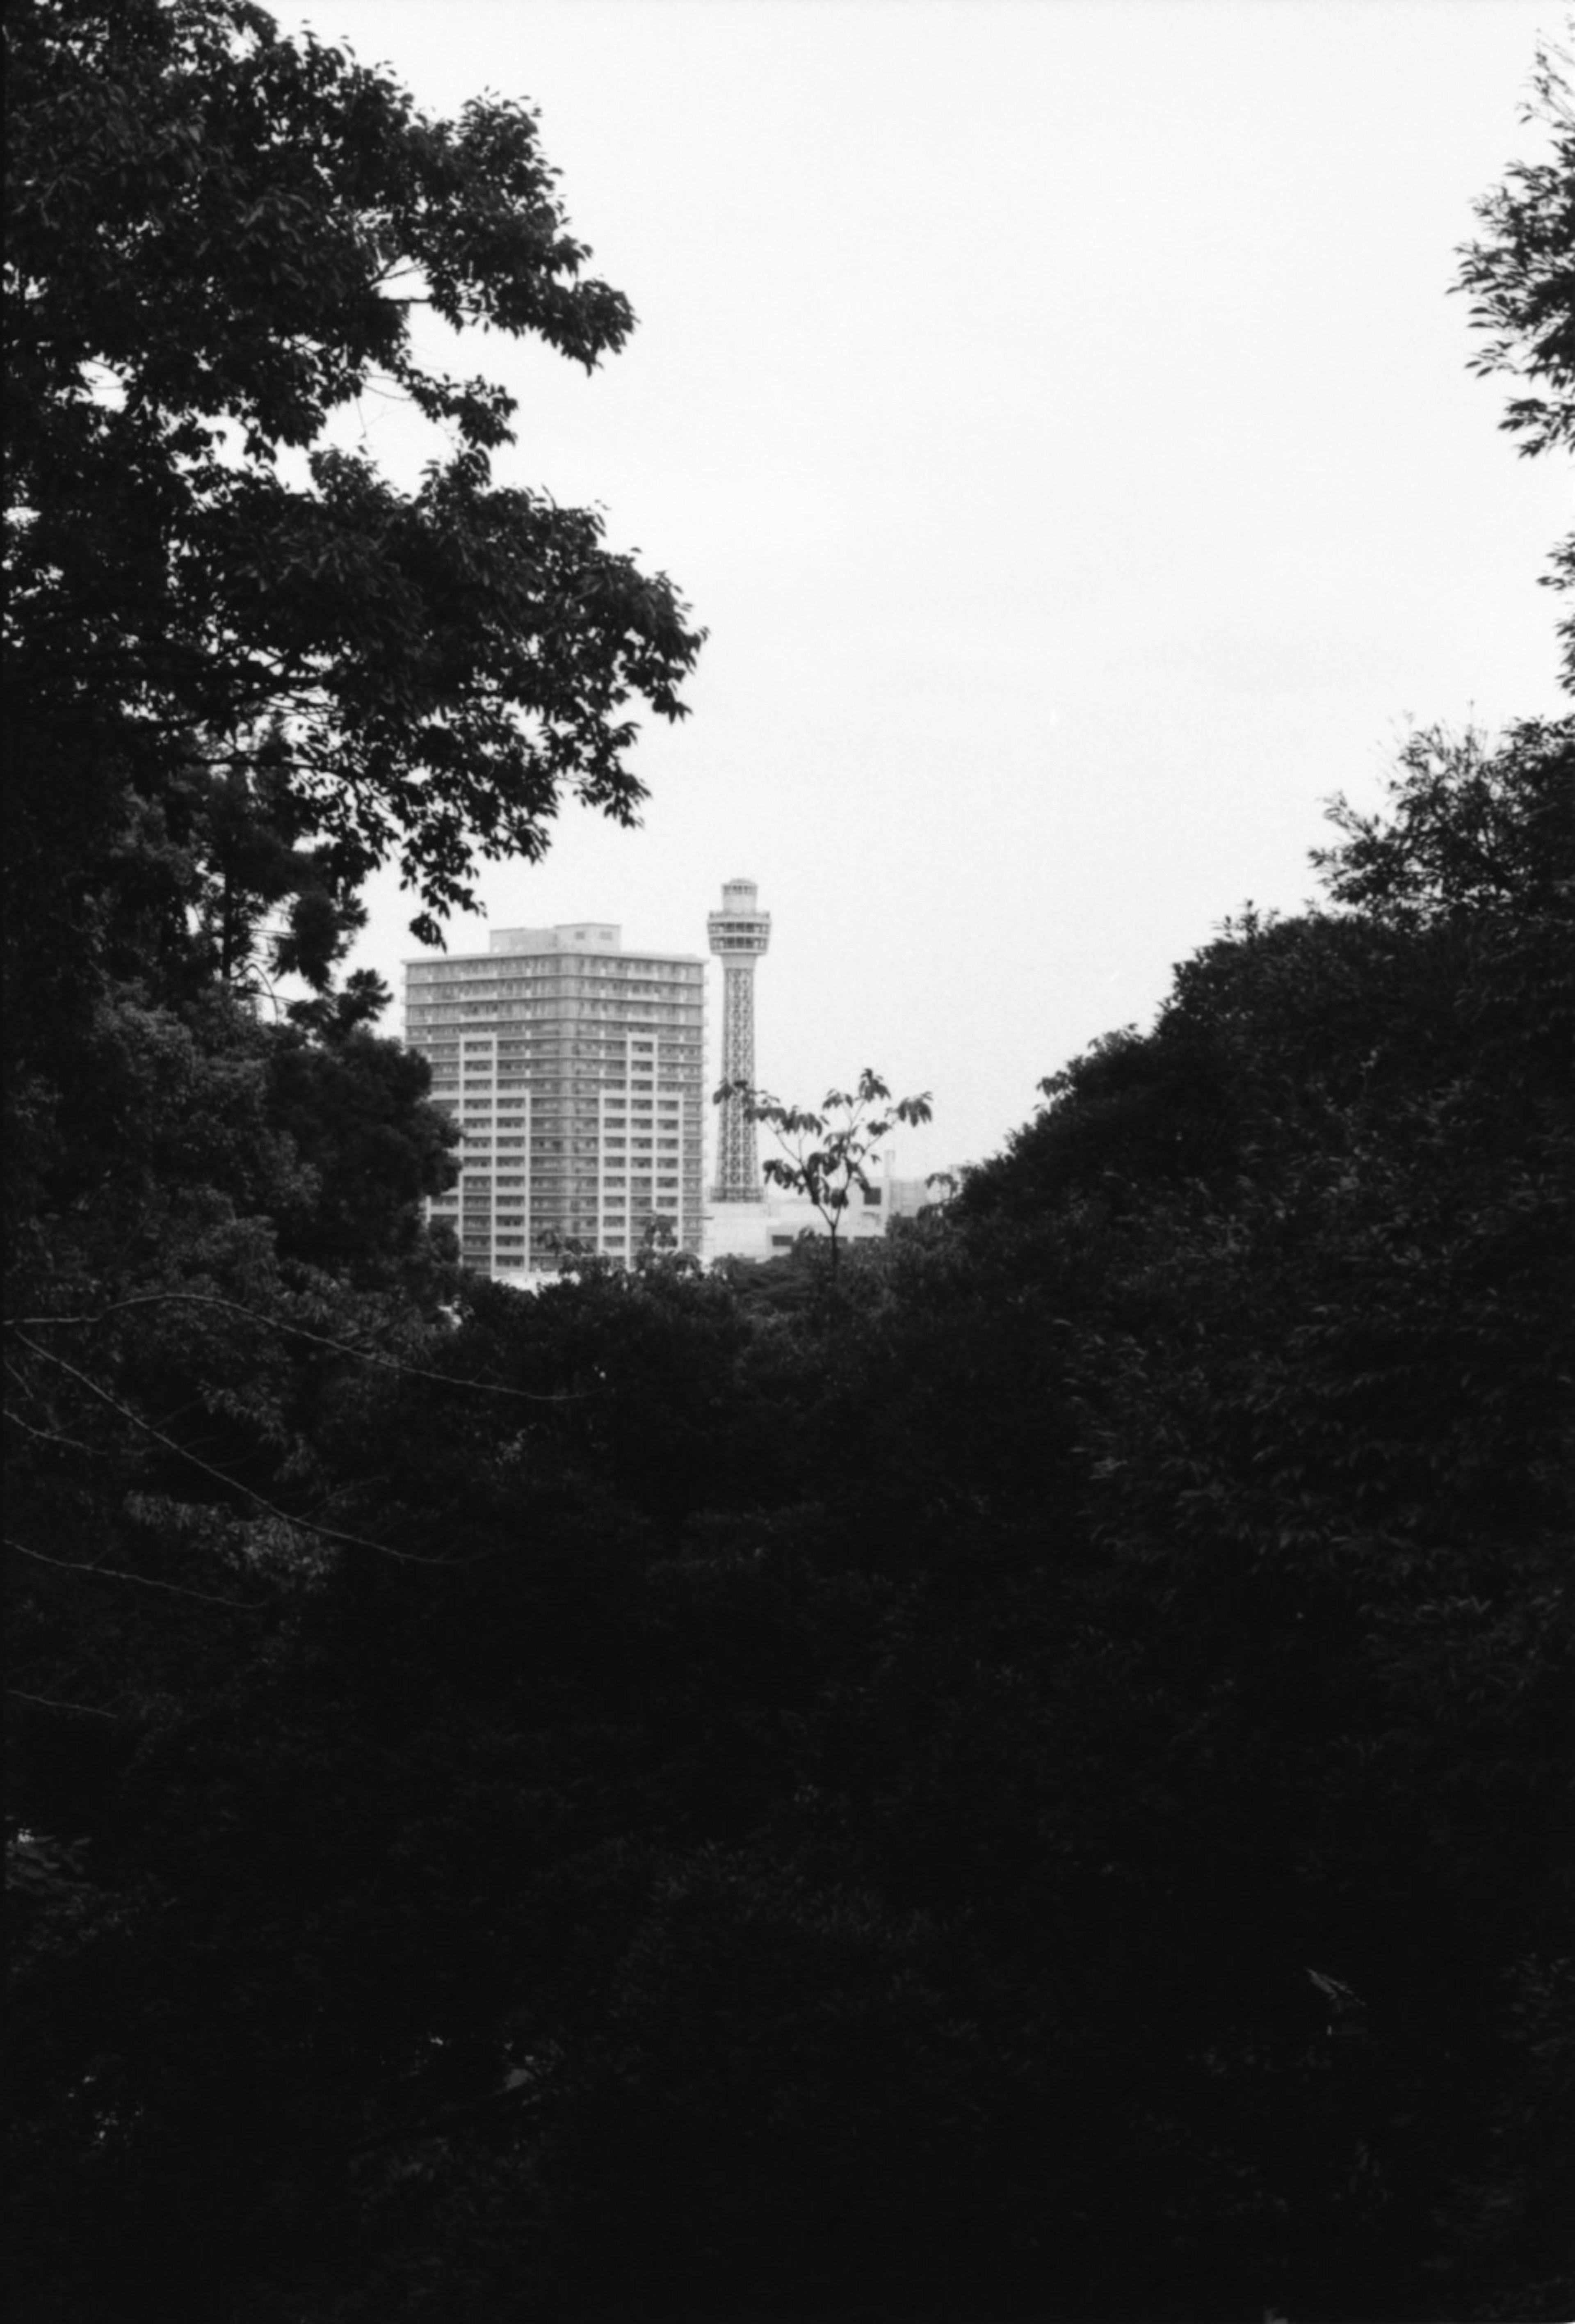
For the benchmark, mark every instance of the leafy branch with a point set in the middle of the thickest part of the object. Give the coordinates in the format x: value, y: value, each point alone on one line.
x: 824, y: 1153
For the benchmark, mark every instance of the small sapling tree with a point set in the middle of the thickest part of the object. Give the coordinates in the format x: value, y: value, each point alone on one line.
x: 824, y: 1153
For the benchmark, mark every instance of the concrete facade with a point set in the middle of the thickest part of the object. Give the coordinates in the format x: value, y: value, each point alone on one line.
x: 576, y: 1071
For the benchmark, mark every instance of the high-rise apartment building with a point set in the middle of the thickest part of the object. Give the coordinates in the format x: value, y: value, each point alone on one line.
x: 576, y: 1073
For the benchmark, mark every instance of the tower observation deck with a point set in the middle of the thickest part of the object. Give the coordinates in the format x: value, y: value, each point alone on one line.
x: 740, y: 933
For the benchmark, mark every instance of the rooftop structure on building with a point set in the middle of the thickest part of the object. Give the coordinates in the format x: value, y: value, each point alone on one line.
x: 576, y: 1071
x: 781, y: 1219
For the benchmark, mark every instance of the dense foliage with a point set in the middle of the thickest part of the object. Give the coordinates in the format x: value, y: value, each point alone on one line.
x: 1031, y: 1779
x: 218, y: 240
x: 1026, y: 1775
x: 1520, y: 279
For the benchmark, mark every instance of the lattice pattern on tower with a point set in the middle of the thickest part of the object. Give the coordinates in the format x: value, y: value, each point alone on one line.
x: 740, y: 933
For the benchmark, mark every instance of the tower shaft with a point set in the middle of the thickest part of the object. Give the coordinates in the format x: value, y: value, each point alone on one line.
x: 739, y: 932
x: 737, y: 1161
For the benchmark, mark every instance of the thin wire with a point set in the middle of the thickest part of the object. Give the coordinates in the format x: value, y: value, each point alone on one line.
x: 319, y: 1339
x: 143, y: 1580
x: 52, y: 1702
x: 232, y: 1484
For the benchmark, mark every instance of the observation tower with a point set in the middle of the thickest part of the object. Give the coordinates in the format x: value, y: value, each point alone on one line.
x: 740, y: 933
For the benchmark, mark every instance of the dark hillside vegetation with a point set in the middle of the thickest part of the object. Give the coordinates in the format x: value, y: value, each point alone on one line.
x: 1023, y: 1775
x: 1030, y: 1779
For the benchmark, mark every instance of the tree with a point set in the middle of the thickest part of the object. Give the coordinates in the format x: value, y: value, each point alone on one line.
x: 220, y: 240
x: 1471, y: 827
x: 242, y: 668
x: 1297, y: 1264
x: 824, y: 1153
x: 1520, y: 277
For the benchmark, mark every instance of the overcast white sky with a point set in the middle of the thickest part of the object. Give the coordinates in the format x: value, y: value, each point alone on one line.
x: 1054, y: 410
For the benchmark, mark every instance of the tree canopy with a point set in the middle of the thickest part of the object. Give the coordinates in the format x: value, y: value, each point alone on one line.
x: 220, y: 240
x: 1037, y: 1788
x: 1520, y: 278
